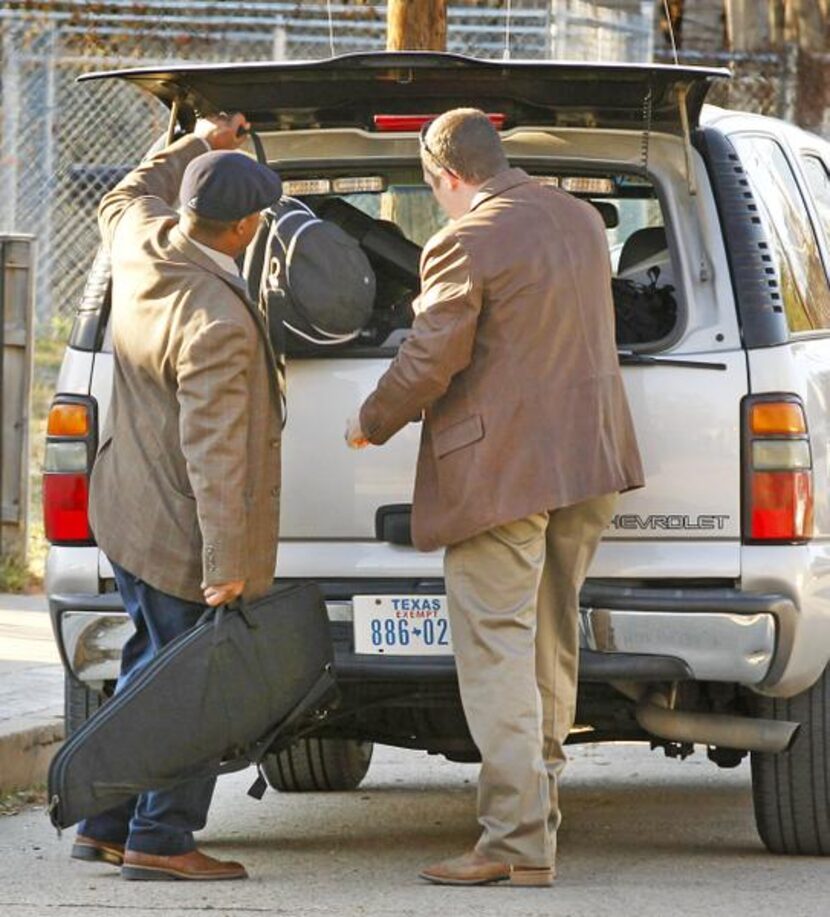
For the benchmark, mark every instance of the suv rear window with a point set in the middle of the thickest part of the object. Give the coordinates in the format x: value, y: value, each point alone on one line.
x: 406, y: 214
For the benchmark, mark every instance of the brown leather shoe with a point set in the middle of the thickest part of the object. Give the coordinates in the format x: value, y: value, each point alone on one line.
x: 95, y: 851
x: 473, y: 869
x: 194, y: 865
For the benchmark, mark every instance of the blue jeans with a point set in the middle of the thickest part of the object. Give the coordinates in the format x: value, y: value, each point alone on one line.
x: 160, y: 823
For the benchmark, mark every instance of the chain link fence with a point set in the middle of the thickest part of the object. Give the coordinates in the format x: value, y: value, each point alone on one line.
x: 760, y: 83
x: 62, y: 143
x: 791, y: 83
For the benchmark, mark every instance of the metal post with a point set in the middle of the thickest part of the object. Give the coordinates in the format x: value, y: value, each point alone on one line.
x: 561, y: 16
x: 3, y: 387
x: 647, y: 15
x: 790, y: 83
x: 16, y: 353
x: 548, y: 33
x: 280, y: 51
x: 11, y: 131
x: 44, y: 307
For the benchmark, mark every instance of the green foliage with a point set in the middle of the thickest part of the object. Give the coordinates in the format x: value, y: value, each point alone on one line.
x: 14, y: 574
x: 19, y: 800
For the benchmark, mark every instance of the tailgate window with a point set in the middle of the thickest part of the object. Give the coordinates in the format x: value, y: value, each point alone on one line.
x: 393, y: 224
x: 644, y: 286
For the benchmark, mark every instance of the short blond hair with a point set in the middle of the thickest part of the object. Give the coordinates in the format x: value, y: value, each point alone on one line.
x: 465, y: 142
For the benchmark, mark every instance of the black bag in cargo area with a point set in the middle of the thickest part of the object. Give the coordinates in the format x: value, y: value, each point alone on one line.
x: 316, y: 280
x: 245, y: 679
x: 643, y: 312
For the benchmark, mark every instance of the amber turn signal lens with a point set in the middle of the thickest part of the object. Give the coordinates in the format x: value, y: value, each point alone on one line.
x: 777, y: 417
x: 68, y: 420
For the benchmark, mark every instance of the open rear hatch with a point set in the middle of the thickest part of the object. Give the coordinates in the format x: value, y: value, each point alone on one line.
x: 349, y: 90
x: 331, y: 494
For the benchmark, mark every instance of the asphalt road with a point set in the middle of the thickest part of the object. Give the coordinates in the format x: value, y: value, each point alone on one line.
x: 642, y: 836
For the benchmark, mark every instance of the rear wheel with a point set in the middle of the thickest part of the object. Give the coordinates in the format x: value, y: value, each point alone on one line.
x: 318, y: 764
x: 79, y: 703
x: 791, y: 790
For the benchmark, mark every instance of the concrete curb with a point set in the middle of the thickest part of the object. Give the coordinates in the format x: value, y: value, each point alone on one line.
x: 31, y: 692
x: 25, y: 755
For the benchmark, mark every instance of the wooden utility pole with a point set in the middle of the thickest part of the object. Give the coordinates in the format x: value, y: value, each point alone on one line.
x: 416, y: 25
x: 702, y: 23
x: 413, y: 25
x: 748, y: 24
x: 674, y: 21
x: 806, y: 23
x: 753, y: 25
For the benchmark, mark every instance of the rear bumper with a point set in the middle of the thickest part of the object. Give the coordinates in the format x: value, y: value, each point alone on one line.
x: 628, y: 634
x: 722, y: 634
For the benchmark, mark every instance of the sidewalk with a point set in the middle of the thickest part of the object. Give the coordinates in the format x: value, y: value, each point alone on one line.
x: 31, y: 691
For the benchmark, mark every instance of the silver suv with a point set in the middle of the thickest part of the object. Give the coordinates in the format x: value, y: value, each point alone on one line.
x: 706, y: 616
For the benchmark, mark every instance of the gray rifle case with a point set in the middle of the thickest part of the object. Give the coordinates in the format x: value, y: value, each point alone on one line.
x: 245, y: 679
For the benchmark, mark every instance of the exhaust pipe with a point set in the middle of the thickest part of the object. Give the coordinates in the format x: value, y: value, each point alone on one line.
x: 743, y: 733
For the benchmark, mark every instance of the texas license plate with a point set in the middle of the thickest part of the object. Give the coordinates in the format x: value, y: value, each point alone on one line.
x: 402, y: 625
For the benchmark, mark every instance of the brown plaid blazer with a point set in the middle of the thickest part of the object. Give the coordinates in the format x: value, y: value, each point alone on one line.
x: 185, y: 488
x: 513, y: 364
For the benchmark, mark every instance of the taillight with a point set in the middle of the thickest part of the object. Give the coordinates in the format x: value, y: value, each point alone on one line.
x: 778, y: 471
x: 70, y: 451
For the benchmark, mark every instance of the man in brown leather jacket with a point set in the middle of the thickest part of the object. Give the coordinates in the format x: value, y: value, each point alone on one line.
x: 526, y: 441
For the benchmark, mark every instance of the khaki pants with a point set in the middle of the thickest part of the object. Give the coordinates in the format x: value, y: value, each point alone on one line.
x: 513, y: 598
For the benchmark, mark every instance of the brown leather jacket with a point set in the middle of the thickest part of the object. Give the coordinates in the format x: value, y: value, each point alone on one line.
x: 512, y: 362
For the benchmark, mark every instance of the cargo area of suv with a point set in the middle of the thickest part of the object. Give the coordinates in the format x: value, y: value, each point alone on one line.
x: 697, y: 613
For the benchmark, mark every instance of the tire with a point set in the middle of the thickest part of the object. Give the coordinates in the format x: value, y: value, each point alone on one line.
x: 791, y: 790
x: 315, y: 765
x: 79, y: 703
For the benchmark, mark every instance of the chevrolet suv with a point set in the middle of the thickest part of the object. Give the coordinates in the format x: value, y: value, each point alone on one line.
x: 706, y: 615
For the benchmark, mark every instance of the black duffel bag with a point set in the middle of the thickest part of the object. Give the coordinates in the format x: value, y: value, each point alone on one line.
x: 244, y: 680
x: 316, y: 281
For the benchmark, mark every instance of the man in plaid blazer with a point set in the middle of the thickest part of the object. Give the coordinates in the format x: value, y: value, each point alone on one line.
x: 185, y: 489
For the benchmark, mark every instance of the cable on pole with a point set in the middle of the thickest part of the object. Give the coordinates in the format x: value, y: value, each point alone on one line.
x: 671, y: 31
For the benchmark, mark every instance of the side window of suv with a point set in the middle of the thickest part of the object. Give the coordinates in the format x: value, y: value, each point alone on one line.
x: 804, y: 284
x: 818, y: 179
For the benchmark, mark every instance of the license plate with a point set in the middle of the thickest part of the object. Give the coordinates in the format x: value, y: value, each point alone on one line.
x: 402, y: 625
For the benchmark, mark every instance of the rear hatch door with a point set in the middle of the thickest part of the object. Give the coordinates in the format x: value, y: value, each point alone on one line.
x: 687, y: 418
x: 348, y: 91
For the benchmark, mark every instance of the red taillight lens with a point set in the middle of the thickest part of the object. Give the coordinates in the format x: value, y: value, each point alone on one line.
x: 70, y: 448
x: 778, y: 471
x: 65, y: 502
x: 782, y: 505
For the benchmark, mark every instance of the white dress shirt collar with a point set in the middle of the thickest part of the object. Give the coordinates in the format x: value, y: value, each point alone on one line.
x: 224, y: 261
